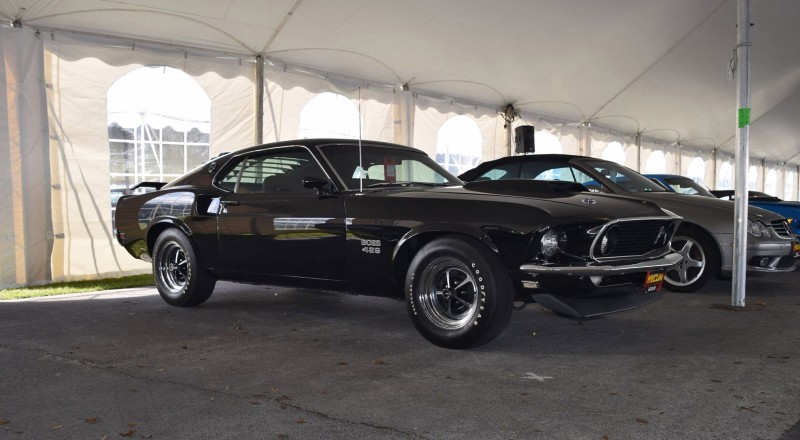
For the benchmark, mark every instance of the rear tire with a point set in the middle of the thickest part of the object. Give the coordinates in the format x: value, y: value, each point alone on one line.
x: 180, y: 278
x: 458, y: 293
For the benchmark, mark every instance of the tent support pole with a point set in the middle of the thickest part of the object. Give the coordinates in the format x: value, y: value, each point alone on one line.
x: 742, y: 152
x: 509, y: 139
x: 638, y: 140
x: 259, y: 99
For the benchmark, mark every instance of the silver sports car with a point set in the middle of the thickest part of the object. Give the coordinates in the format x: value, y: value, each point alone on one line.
x: 705, y: 237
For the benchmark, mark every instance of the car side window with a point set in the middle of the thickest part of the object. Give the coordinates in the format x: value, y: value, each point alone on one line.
x: 559, y: 171
x: 534, y: 172
x: 228, y: 181
x: 280, y: 171
x: 502, y: 172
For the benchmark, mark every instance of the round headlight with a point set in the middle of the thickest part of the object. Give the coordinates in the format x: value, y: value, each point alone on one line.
x: 764, y: 230
x: 549, y: 243
x: 608, y: 240
x: 753, y: 228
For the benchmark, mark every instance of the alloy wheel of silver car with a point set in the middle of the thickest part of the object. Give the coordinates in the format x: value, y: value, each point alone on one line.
x: 691, y: 269
x: 449, y: 293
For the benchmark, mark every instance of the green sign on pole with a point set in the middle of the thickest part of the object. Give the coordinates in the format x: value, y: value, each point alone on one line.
x: 744, y: 117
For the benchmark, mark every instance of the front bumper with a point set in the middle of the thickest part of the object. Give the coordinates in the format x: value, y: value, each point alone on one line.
x: 586, y: 291
x: 768, y: 257
x: 660, y: 264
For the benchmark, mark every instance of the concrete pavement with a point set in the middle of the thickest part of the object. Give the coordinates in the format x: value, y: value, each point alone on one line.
x: 272, y: 363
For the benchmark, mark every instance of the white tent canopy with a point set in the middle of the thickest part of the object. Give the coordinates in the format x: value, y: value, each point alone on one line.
x: 637, y: 81
x: 646, y: 66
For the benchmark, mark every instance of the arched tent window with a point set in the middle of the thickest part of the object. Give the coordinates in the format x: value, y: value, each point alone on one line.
x: 771, y: 183
x: 459, y: 144
x: 752, y: 178
x: 159, y: 124
x: 656, y: 163
x: 547, y: 143
x: 614, y: 152
x: 725, y: 176
x: 329, y: 115
x: 697, y: 170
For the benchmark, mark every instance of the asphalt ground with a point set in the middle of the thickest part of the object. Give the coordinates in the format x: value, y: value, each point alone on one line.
x: 271, y: 363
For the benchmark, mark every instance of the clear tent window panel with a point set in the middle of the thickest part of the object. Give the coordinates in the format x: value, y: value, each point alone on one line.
x: 159, y: 122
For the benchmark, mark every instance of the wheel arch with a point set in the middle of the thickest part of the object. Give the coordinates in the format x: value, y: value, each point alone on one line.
x: 160, y: 225
x: 414, y: 240
x: 703, y: 231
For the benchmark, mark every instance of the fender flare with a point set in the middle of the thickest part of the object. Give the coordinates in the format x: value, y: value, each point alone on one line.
x: 401, y: 255
x: 159, y: 224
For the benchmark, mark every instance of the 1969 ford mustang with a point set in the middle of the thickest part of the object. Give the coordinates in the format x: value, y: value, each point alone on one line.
x: 387, y: 220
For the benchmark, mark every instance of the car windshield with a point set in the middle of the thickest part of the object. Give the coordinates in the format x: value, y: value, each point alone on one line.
x: 685, y: 185
x: 624, y: 177
x: 385, y: 166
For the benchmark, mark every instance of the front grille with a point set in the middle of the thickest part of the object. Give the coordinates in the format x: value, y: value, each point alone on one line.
x: 781, y: 228
x: 635, y: 238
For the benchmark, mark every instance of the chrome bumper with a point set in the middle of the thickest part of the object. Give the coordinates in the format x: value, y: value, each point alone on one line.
x: 663, y: 263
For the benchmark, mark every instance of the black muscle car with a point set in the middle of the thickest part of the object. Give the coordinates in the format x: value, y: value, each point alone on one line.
x: 387, y: 220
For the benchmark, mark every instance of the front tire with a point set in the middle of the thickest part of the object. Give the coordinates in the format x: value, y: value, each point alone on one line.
x: 180, y: 278
x: 701, y: 261
x: 458, y: 293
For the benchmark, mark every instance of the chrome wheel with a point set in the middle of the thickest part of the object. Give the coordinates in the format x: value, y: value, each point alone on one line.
x: 181, y: 278
x: 691, y: 269
x: 458, y: 293
x: 449, y: 293
x: 173, y: 267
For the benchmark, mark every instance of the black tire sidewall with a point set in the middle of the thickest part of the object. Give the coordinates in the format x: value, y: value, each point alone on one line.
x: 198, y: 287
x: 495, y: 293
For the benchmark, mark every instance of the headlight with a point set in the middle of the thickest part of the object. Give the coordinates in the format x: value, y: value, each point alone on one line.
x: 764, y: 230
x: 753, y: 228
x: 608, y: 240
x: 549, y: 243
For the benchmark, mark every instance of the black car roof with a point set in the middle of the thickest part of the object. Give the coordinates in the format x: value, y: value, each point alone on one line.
x: 525, y: 157
x: 468, y: 175
x: 312, y: 142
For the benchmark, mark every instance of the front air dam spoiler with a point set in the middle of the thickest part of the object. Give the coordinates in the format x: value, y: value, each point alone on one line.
x: 589, y: 307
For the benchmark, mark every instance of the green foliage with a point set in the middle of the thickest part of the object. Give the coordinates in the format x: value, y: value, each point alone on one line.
x: 77, y: 287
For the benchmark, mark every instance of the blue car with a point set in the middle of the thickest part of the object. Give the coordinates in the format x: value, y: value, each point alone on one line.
x: 680, y: 184
x: 790, y: 210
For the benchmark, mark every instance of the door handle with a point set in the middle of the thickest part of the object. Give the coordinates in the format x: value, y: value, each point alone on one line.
x: 224, y: 204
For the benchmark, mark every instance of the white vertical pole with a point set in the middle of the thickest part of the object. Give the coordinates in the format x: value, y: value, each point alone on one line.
x: 638, y: 140
x: 586, y: 139
x: 509, y: 139
x: 742, y: 152
x: 714, y: 156
x: 259, y: 132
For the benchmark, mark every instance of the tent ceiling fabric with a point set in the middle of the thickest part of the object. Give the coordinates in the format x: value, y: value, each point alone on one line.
x: 651, y: 66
